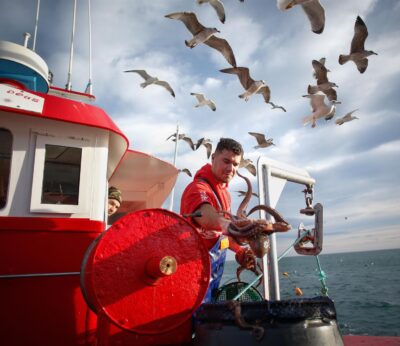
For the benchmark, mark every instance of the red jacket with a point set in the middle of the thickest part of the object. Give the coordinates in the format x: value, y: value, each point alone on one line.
x: 199, y: 192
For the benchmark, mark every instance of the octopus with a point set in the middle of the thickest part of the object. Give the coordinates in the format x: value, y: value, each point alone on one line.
x: 255, y: 232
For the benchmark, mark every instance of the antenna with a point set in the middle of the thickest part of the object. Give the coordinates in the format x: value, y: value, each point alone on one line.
x: 27, y: 35
x: 68, y: 86
x: 36, y: 25
x: 171, y: 201
x: 89, y: 89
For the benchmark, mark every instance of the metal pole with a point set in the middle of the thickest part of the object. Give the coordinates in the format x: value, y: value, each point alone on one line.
x: 36, y: 25
x: 69, y: 85
x: 89, y: 89
x: 171, y: 201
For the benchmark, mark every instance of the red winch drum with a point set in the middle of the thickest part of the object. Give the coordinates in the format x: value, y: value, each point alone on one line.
x: 147, y: 273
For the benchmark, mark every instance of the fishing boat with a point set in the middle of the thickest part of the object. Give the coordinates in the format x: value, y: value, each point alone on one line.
x: 68, y: 279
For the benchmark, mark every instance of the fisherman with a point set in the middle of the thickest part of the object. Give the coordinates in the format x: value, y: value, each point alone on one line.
x: 207, y: 195
x: 114, y: 200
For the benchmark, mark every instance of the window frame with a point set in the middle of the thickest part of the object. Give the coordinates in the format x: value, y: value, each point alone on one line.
x: 36, y: 205
x: 9, y: 171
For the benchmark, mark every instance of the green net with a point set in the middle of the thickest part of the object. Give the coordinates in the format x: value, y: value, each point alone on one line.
x: 231, y: 290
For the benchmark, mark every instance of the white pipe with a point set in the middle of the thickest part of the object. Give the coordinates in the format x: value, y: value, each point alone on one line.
x: 36, y: 25
x: 69, y: 85
x: 171, y: 201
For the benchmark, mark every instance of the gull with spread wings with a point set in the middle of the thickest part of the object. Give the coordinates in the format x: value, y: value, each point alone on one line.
x: 250, y: 85
x: 201, y: 34
x: 274, y: 106
x: 323, y: 84
x: 202, y: 101
x: 207, y: 143
x: 183, y: 137
x: 261, y: 140
x: 348, y: 117
x: 358, y: 54
x: 148, y: 80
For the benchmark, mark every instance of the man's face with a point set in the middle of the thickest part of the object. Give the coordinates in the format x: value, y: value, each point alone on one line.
x: 113, y: 206
x: 224, y: 165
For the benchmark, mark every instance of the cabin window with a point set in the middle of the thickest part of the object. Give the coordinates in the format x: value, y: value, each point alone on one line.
x: 5, y: 164
x: 59, y: 175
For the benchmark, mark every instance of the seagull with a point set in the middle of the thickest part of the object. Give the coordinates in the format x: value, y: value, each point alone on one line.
x: 251, y: 86
x: 201, y: 34
x: 207, y: 144
x: 346, y: 118
x: 152, y: 80
x: 313, y: 9
x: 204, y: 102
x: 182, y: 136
x: 322, y: 61
x: 218, y: 7
x: 185, y: 170
x: 323, y: 84
x: 358, y: 54
x: 319, y: 108
x: 248, y: 164
x: 261, y: 140
x: 274, y: 106
x: 243, y: 193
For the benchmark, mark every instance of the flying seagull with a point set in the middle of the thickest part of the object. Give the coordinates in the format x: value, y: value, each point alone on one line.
x: 322, y: 61
x: 319, y: 108
x: 346, y: 118
x: 185, y: 170
x: 243, y: 193
x: 204, y: 102
x: 207, y: 144
x: 182, y: 136
x: 323, y: 84
x: 274, y: 106
x: 261, y: 140
x: 251, y: 86
x: 358, y: 54
x: 248, y: 164
x: 313, y: 9
x: 201, y: 34
x: 218, y: 7
x: 152, y: 80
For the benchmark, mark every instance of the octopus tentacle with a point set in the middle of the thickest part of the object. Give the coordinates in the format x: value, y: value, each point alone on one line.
x: 241, y: 212
x: 278, y: 217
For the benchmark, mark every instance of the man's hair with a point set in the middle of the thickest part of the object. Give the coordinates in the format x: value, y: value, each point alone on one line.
x: 231, y: 145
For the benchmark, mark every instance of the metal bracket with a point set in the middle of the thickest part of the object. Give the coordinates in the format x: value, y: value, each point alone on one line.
x: 315, y: 235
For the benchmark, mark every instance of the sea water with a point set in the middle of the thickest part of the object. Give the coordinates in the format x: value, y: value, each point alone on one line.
x: 365, y: 287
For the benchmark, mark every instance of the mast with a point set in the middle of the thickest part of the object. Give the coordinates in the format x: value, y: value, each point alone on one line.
x: 69, y: 85
x: 36, y: 25
x: 89, y: 88
x: 171, y: 201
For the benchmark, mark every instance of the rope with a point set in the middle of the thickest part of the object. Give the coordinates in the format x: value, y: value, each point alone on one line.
x: 322, y: 277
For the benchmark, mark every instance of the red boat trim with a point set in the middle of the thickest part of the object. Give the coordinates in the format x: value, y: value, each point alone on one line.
x: 36, y: 275
x: 50, y: 224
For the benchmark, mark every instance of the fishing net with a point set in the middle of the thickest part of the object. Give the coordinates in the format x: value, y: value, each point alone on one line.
x: 231, y: 290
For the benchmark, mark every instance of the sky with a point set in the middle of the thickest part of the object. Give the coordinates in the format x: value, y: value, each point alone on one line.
x: 356, y: 166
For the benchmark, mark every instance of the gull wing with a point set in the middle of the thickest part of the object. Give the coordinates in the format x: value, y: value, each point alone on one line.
x: 360, y: 35
x: 223, y: 47
x: 218, y: 6
x: 189, y: 19
x: 331, y: 94
x: 199, y: 97
x: 316, y: 14
x: 243, y: 73
x: 189, y: 141
x: 259, y: 137
x: 166, y: 86
x: 266, y: 93
x: 320, y: 72
x: 142, y: 73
